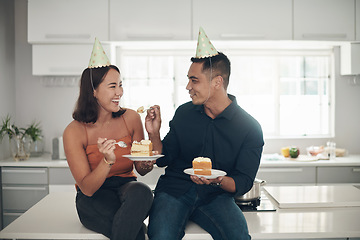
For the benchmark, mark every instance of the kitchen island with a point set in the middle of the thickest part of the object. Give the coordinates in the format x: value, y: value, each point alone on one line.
x: 41, y: 176
x: 54, y: 217
x: 266, y: 161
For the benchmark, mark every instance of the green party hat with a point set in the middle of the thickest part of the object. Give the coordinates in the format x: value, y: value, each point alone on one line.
x: 98, y: 56
x: 204, y: 46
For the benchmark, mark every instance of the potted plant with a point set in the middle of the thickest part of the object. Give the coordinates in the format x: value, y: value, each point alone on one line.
x: 21, y: 140
x: 37, y: 144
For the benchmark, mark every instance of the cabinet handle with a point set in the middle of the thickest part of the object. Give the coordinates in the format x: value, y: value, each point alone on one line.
x: 64, y: 69
x: 13, y: 214
x: 243, y: 36
x: 24, y: 171
x: 25, y: 188
x: 324, y: 35
x: 273, y: 170
x: 356, y: 169
x: 71, y: 36
x: 151, y: 36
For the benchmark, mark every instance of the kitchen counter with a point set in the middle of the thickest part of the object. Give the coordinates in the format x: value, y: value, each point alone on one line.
x: 43, y: 161
x: 281, y: 224
x: 46, y: 161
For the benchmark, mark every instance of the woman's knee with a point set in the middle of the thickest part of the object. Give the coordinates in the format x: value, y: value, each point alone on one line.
x: 138, y: 191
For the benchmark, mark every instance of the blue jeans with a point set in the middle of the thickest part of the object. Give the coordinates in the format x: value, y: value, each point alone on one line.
x: 222, y: 218
x: 117, y: 210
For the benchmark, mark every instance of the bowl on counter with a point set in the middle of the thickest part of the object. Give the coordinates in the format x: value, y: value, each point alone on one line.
x: 314, y: 150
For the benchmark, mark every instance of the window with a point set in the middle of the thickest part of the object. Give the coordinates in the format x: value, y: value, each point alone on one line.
x: 287, y: 91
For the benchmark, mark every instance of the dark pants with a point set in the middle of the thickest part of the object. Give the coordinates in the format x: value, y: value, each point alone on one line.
x: 221, y: 217
x: 117, y: 209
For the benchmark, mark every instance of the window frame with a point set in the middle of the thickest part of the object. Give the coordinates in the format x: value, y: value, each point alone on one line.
x: 122, y: 52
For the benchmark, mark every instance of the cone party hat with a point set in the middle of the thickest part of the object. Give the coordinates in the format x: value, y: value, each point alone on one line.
x: 204, y: 46
x: 98, y: 56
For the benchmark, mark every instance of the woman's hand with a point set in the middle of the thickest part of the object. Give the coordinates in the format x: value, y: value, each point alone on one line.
x: 107, y: 147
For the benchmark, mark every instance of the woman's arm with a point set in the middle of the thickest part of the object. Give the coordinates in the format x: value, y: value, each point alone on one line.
x: 74, y: 139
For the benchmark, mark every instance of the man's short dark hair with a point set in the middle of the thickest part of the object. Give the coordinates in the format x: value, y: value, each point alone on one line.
x: 220, y: 65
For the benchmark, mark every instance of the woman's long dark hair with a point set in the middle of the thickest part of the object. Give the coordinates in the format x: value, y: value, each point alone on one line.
x: 87, y: 107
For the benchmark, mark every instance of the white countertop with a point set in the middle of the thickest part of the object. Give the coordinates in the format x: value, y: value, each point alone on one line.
x: 314, y: 196
x: 352, y: 160
x: 43, y: 161
x: 46, y: 161
x: 282, y: 224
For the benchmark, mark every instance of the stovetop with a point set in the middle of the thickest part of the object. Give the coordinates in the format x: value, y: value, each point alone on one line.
x: 260, y: 205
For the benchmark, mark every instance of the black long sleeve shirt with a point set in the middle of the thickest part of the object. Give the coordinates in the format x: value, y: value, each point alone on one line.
x: 233, y: 141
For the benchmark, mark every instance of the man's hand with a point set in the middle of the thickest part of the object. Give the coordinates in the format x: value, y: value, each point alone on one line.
x: 225, y: 182
x: 153, y: 120
x: 203, y: 180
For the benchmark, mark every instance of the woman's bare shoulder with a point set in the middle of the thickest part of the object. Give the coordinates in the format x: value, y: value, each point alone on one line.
x: 131, y: 115
x: 75, y: 129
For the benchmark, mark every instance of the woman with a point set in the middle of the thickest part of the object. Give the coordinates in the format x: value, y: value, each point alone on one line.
x: 109, y: 199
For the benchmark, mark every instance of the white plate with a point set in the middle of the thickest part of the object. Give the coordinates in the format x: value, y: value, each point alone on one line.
x: 214, y: 173
x: 143, y: 158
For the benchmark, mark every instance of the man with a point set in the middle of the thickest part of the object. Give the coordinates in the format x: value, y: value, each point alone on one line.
x: 213, y: 126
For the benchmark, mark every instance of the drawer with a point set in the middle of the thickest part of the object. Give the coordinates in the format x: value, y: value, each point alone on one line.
x: 338, y: 174
x: 23, y: 175
x: 22, y: 197
x: 287, y: 175
x: 10, y: 217
x: 60, y: 176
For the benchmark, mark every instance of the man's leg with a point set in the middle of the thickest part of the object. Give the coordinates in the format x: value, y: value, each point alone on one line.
x: 169, y: 215
x: 222, y: 218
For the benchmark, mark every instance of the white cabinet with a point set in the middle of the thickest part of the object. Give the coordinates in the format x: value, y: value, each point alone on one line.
x: 150, y: 20
x: 357, y: 23
x: 287, y: 175
x: 62, y: 59
x: 61, y: 180
x: 338, y: 175
x: 242, y: 19
x: 350, y: 58
x: 75, y: 21
x: 21, y: 189
x: 324, y: 20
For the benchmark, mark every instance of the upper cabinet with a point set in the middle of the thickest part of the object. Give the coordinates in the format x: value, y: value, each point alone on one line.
x: 350, y: 58
x: 243, y: 19
x: 324, y: 20
x: 79, y: 21
x: 150, y: 20
x: 357, y: 23
x: 62, y: 59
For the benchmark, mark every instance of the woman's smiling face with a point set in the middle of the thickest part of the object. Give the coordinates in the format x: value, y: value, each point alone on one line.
x: 110, y: 91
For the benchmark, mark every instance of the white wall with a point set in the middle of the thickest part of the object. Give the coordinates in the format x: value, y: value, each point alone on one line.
x: 53, y: 105
x: 7, y: 62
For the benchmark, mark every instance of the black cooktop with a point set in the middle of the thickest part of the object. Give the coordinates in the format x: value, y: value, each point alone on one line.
x: 258, y: 205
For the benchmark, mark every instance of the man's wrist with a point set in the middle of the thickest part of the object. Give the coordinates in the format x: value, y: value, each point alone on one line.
x: 218, y: 184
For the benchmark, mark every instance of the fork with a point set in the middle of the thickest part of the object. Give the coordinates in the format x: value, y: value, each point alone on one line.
x: 121, y: 144
x: 142, y: 109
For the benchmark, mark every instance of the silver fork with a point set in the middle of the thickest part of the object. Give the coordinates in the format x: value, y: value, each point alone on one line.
x: 121, y: 144
x: 142, y: 109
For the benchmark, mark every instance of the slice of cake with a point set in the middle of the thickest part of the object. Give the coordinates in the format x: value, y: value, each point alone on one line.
x: 202, y: 166
x: 142, y: 148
